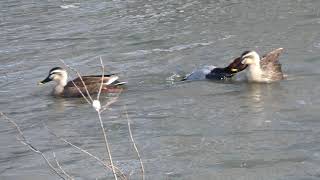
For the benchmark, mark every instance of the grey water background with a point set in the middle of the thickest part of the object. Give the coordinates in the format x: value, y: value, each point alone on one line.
x: 196, y: 130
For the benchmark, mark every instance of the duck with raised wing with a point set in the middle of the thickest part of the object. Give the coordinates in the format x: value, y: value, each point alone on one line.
x: 266, y: 69
x: 216, y: 73
x: 92, y: 82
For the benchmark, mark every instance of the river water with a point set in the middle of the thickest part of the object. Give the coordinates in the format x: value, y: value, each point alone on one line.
x: 195, y: 130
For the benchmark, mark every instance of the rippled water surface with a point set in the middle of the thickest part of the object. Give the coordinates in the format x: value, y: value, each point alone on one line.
x: 195, y: 130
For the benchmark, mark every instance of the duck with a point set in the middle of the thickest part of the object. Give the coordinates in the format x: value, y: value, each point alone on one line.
x: 64, y: 88
x: 215, y: 73
x: 266, y: 69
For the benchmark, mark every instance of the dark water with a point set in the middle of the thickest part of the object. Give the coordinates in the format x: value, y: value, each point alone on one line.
x: 197, y: 130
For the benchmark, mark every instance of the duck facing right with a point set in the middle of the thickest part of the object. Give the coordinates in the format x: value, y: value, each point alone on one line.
x: 266, y: 69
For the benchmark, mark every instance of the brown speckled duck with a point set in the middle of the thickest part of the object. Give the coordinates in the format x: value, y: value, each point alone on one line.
x: 266, y: 69
x: 93, y: 82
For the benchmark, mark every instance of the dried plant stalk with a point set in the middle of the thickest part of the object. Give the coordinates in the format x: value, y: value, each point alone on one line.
x: 25, y: 142
x: 97, y: 107
x: 134, y: 144
x: 60, y: 167
x: 84, y: 84
x: 104, y: 164
x: 107, y: 145
x: 102, y: 77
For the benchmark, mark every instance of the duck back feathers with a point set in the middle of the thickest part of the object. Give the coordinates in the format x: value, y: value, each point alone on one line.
x: 271, y: 66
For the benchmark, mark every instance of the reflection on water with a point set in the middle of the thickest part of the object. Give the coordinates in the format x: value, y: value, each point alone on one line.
x: 256, y: 91
x: 262, y: 98
x: 60, y: 104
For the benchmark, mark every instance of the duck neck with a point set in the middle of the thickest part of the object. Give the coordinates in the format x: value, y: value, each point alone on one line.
x: 254, y: 72
x: 59, y: 88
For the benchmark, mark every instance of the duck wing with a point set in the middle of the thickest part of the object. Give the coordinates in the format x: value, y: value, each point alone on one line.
x: 95, y: 80
x: 271, y: 66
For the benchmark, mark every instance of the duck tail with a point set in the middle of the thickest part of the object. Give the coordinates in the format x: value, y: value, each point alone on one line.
x: 118, y: 83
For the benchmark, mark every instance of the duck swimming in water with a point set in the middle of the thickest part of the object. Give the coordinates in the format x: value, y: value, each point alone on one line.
x: 267, y: 69
x: 92, y: 82
x: 216, y: 73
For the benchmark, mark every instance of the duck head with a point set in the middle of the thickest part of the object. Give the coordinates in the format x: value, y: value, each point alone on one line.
x: 236, y: 66
x: 58, y: 75
x: 250, y: 57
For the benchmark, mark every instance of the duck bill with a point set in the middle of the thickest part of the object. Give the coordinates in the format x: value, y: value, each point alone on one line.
x: 45, y: 80
x: 234, y: 70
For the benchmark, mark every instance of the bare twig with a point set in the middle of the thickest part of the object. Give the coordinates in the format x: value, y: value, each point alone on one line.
x: 25, y: 142
x: 98, y: 109
x: 102, y: 77
x: 61, y: 169
x: 134, y: 144
x: 104, y: 164
x: 97, y: 106
x: 84, y: 84
x: 81, y: 92
x: 107, y: 145
x: 113, y: 100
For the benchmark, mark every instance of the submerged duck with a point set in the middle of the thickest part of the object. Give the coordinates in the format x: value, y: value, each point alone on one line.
x: 267, y: 69
x: 216, y: 73
x: 92, y: 82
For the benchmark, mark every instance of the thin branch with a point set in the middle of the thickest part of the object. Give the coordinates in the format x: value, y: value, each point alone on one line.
x: 81, y: 92
x: 102, y: 126
x: 134, y: 144
x: 113, y: 100
x: 107, y: 145
x: 80, y: 77
x: 99, y: 110
x: 61, y: 169
x: 25, y: 142
x: 102, y: 77
x: 120, y: 173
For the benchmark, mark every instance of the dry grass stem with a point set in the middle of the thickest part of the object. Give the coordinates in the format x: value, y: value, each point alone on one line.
x: 104, y: 164
x: 103, y: 129
x: 99, y: 115
x: 102, y: 77
x: 134, y: 144
x: 60, y: 167
x: 95, y: 104
x: 113, y: 100
x: 81, y: 92
x: 85, y: 87
x: 107, y: 145
x: 99, y: 109
x: 25, y: 142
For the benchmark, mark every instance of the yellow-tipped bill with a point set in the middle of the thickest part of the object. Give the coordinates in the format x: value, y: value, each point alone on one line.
x: 234, y: 70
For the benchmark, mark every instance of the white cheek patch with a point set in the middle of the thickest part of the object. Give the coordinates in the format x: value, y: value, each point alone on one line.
x: 55, y: 76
